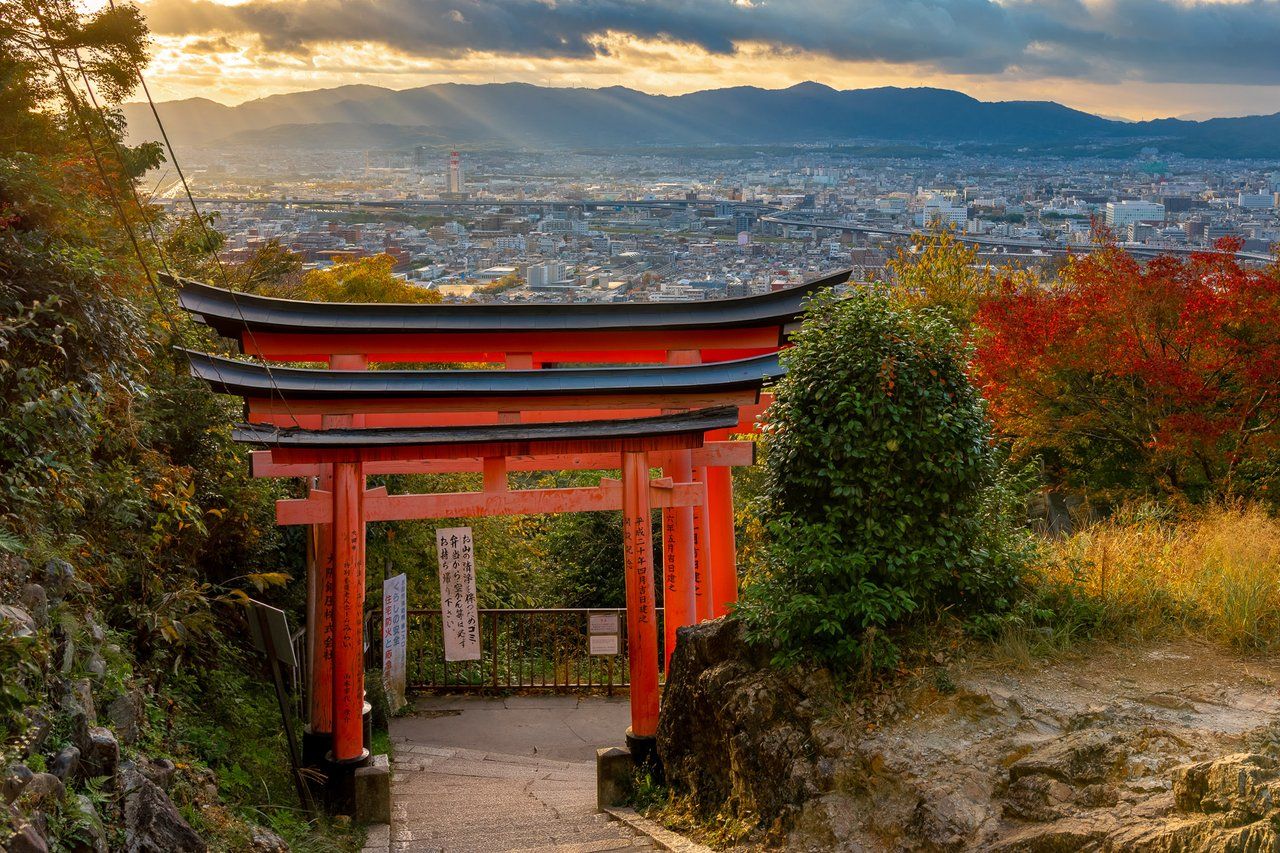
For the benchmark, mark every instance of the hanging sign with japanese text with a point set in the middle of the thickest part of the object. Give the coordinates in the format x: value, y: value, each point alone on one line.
x: 395, y: 633
x: 460, y: 618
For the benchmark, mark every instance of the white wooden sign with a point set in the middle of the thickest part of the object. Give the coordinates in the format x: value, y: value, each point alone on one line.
x: 395, y: 633
x: 604, y: 623
x: 461, y: 619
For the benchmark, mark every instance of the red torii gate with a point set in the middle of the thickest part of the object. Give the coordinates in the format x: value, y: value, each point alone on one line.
x: 339, y: 425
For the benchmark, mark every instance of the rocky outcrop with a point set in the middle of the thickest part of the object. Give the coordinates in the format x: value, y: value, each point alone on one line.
x: 152, y: 823
x: 1029, y: 763
x: 736, y: 734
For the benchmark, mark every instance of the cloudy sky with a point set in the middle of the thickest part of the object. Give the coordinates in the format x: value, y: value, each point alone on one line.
x: 1131, y: 58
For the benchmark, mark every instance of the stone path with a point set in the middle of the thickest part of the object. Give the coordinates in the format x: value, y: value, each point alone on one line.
x: 502, y: 775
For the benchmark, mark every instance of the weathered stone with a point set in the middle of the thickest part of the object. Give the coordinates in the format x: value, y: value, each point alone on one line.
x: 126, y: 715
x: 96, y: 665
x: 735, y: 732
x: 615, y: 773
x: 96, y: 633
x: 58, y: 577
x: 373, y: 793
x: 27, y: 839
x: 152, y: 823
x: 1084, y: 757
x: 1245, y: 784
x: 90, y: 837
x: 159, y: 770
x: 1069, y: 835
x: 266, y: 841
x: 23, y: 623
x: 43, y: 786
x: 77, y: 701
x: 66, y: 764
x: 206, y: 782
x: 36, y: 602
x: 16, y: 777
x: 102, y: 754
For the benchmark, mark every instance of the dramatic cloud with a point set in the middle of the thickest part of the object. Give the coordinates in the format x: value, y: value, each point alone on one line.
x: 1163, y: 41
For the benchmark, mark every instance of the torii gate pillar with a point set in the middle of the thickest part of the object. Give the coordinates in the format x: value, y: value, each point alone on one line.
x: 642, y: 618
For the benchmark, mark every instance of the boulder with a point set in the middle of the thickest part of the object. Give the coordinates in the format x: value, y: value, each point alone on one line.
x: 66, y: 764
x: 266, y: 841
x: 126, y: 715
x: 36, y: 602
x: 735, y: 732
x: 16, y: 777
x: 152, y: 823
x: 24, y: 625
x: 101, y: 756
x: 59, y: 575
x: 43, y: 786
x: 159, y: 770
x: 90, y: 837
x: 27, y: 839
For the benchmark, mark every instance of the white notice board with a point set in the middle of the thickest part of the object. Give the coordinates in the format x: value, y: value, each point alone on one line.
x: 461, y: 619
x: 395, y: 631
x: 602, y: 633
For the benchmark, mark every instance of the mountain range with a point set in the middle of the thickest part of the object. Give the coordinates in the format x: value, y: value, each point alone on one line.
x: 527, y: 116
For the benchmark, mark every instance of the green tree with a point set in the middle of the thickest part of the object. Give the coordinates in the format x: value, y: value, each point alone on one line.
x: 879, y: 464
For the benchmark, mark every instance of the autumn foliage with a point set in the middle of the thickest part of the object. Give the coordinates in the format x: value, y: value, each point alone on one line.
x: 1129, y: 377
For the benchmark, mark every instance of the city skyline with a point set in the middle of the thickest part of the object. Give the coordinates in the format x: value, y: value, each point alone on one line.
x: 1133, y: 59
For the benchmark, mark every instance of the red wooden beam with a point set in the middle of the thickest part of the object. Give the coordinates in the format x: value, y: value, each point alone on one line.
x: 317, y: 509
x: 612, y: 347
x: 259, y: 408
x: 713, y: 453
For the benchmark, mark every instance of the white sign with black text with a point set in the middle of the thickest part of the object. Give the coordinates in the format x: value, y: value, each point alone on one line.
x: 395, y: 632
x: 461, y: 619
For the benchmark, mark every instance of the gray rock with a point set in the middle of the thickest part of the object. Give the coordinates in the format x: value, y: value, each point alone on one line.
x: 1086, y: 757
x: 97, y: 664
x: 16, y: 777
x: 160, y: 771
x: 90, y: 835
x: 266, y: 841
x: 80, y: 692
x: 152, y: 823
x: 126, y: 715
x: 36, y: 601
x: 24, y: 625
x: 96, y: 633
x: 102, y: 754
x: 58, y: 577
x: 43, y: 786
x: 66, y: 765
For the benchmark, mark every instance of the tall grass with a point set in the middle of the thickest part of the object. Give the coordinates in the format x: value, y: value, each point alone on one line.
x: 1214, y: 573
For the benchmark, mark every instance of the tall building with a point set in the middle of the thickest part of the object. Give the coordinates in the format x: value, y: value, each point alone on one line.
x: 1122, y: 214
x: 421, y: 155
x: 455, y: 173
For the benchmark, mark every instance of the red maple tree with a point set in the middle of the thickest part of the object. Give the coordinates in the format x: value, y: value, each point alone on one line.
x: 1129, y: 377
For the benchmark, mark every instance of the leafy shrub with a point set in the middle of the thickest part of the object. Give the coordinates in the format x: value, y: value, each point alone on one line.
x: 879, y: 497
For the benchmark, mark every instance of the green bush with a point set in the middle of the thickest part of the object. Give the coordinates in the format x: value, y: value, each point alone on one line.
x: 880, y: 497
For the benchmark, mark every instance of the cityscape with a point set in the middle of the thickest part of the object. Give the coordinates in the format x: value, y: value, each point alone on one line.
x: 636, y: 226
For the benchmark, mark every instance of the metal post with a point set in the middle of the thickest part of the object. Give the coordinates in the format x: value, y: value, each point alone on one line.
x: 642, y: 628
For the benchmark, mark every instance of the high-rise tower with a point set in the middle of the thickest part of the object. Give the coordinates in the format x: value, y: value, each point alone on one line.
x: 455, y: 172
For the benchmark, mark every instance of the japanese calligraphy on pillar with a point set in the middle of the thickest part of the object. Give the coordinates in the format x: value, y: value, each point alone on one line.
x: 395, y: 631
x: 635, y: 547
x: 461, y: 619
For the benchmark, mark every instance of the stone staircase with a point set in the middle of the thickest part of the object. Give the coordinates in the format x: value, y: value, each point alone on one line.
x: 456, y: 800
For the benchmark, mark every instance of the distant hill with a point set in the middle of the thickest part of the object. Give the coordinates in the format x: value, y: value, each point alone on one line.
x: 523, y: 115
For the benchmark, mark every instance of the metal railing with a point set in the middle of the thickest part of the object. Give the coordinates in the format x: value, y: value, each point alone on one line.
x: 520, y: 649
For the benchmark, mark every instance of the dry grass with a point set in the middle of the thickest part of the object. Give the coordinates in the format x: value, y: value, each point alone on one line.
x: 1215, y: 574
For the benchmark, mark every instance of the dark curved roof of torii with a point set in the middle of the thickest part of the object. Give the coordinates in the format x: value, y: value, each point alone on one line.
x: 697, y: 422
x: 230, y: 313
x: 248, y: 379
